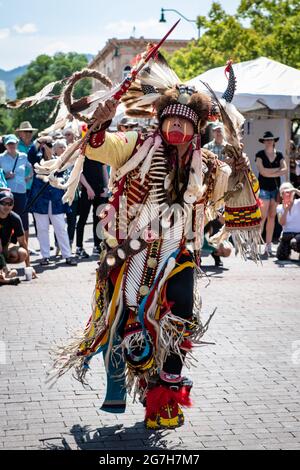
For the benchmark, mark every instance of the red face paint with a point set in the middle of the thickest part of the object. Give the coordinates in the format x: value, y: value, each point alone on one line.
x: 176, y: 137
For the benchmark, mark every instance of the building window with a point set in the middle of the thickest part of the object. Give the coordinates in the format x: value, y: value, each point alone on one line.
x: 126, y: 71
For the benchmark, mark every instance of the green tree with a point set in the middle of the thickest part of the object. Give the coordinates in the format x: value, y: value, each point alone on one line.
x: 259, y: 28
x: 43, y: 70
x: 278, y: 23
x: 224, y: 38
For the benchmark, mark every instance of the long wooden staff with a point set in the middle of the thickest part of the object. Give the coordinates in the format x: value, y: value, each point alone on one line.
x: 121, y: 91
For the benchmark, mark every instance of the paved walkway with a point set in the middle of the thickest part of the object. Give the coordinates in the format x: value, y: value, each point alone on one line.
x: 246, y: 387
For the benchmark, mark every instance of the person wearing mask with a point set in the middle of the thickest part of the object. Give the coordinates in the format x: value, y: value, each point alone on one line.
x: 289, y: 218
x: 48, y: 207
x: 271, y: 166
x: 11, y: 225
x: 16, y: 166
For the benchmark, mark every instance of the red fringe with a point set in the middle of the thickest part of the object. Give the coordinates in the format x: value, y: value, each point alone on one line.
x: 160, y: 396
x: 187, y: 345
x: 259, y: 202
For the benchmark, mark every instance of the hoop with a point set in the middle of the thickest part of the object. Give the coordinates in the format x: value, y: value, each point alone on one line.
x: 80, y: 104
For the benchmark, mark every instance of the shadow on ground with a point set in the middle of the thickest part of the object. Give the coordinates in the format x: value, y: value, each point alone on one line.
x: 214, y: 271
x: 284, y: 264
x: 108, y: 438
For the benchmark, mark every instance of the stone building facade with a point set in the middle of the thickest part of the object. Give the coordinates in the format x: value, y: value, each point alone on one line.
x: 115, y: 59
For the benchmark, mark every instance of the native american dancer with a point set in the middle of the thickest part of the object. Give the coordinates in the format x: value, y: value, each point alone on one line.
x: 145, y: 318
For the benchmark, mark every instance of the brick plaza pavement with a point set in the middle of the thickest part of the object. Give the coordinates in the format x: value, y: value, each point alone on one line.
x: 246, y: 387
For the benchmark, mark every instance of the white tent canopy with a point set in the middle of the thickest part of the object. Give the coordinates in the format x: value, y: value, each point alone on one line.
x: 260, y: 83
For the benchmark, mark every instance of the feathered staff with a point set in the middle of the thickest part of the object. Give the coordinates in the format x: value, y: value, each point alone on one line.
x: 242, y: 208
x: 48, y: 170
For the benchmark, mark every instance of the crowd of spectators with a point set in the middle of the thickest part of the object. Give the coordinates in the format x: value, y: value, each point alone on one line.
x: 24, y: 197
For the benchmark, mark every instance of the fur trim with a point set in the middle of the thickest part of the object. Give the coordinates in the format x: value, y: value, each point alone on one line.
x: 198, y: 102
x: 161, y: 396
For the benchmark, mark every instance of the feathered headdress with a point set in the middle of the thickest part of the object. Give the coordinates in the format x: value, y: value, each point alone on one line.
x: 159, y: 92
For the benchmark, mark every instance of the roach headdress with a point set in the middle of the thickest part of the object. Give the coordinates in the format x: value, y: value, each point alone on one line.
x: 159, y: 92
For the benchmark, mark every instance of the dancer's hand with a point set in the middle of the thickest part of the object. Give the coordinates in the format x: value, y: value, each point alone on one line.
x: 105, y: 111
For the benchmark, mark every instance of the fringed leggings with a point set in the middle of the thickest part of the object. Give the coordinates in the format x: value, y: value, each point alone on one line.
x: 180, y: 291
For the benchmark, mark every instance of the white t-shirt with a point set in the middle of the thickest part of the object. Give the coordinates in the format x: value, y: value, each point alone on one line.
x: 293, y: 217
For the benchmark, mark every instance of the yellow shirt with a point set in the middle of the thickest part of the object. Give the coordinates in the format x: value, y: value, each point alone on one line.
x: 116, y: 149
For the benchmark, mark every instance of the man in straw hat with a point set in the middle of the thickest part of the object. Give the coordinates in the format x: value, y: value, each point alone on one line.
x: 25, y: 133
x: 146, y: 309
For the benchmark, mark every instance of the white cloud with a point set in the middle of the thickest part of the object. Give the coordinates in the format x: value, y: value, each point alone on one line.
x: 150, y: 27
x: 28, y: 28
x: 4, y: 33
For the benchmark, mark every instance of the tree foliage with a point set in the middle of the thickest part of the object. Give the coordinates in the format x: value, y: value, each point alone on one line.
x: 43, y: 70
x: 268, y: 28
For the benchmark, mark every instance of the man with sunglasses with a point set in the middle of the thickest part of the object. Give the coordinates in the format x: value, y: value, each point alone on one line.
x: 11, y: 224
x: 127, y: 124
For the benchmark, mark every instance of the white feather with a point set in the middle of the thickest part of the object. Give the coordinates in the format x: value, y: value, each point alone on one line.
x: 160, y: 76
x: 39, y: 97
x: 147, y: 99
x: 235, y: 116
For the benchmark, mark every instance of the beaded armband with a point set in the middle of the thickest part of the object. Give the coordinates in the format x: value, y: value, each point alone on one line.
x: 97, y: 137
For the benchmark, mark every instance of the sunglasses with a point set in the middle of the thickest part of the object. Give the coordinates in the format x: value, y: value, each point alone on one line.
x: 7, y: 204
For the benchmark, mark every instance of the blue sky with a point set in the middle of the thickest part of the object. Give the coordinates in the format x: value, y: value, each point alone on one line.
x: 32, y: 27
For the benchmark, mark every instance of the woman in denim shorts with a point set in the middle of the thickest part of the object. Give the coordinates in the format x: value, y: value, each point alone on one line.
x: 271, y: 166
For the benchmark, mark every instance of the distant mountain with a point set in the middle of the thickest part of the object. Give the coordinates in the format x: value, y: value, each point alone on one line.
x: 89, y: 57
x: 9, y: 77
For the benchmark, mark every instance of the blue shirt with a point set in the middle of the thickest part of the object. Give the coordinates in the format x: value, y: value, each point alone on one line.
x: 25, y: 149
x: 3, y: 182
x: 55, y: 195
x: 7, y: 163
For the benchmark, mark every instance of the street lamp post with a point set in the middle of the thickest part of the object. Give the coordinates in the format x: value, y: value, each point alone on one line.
x: 163, y: 19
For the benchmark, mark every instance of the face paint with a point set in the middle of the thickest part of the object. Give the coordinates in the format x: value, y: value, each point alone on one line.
x: 177, y: 137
